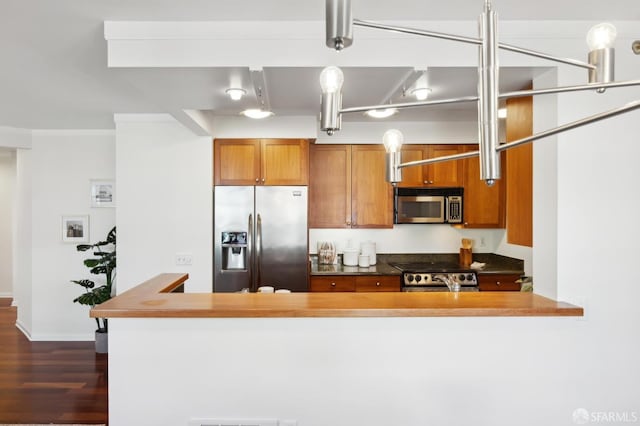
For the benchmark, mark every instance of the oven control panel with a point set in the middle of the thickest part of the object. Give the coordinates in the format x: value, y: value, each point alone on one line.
x: 439, y: 279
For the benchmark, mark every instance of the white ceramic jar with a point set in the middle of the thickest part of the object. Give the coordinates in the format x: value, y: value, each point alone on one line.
x: 350, y: 256
x: 368, y: 248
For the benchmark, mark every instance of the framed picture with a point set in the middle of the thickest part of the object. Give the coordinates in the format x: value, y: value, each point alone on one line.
x: 75, y: 229
x: 103, y: 193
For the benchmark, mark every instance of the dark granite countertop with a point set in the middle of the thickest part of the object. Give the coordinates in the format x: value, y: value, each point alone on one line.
x: 494, y: 264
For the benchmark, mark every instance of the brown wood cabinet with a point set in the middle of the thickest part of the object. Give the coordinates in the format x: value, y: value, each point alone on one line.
x: 484, y: 206
x: 330, y: 186
x: 261, y: 162
x: 447, y: 174
x: 371, y: 194
x: 361, y: 283
x: 376, y: 283
x: 498, y: 282
x: 519, y: 172
x: 347, y: 187
x: 331, y: 283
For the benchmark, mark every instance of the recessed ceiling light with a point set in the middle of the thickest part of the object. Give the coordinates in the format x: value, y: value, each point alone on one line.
x: 235, y: 93
x: 381, y: 113
x: 421, y: 93
x: 256, y: 113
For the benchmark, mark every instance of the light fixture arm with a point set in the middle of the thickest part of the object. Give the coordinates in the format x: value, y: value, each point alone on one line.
x: 441, y: 159
x: 471, y: 40
x: 506, y: 95
x: 572, y: 125
x: 565, y: 127
x: 564, y: 89
x: 403, y: 105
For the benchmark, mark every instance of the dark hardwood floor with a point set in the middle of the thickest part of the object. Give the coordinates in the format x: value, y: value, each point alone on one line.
x: 49, y: 382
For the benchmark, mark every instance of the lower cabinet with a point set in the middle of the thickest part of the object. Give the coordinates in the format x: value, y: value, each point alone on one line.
x: 499, y: 282
x: 364, y: 283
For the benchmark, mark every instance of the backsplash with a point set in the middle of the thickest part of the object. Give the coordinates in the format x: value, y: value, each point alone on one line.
x: 410, y: 238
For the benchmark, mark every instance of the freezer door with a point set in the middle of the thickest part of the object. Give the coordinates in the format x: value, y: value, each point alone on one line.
x: 281, y: 237
x: 233, y: 235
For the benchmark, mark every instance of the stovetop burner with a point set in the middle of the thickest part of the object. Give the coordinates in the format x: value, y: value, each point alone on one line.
x: 434, y: 267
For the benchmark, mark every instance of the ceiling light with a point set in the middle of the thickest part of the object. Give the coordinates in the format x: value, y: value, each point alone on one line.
x: 235, y: 93
x: 421, y: 93
x: 381, y: 113
x: 256, y: 113
x: 600, y: 67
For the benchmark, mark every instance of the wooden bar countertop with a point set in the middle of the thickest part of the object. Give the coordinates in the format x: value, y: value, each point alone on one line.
x: 156, y: 298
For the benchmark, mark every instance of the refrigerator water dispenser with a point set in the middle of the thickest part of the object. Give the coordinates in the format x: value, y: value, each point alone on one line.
x: 234, y: 250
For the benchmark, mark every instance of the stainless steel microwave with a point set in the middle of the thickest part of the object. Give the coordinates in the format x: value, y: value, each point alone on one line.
x: 428, y: 205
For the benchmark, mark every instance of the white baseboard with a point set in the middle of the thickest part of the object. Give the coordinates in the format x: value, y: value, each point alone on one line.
x: 5, y: 295
x: 45, y: 337
x: 23, y: 329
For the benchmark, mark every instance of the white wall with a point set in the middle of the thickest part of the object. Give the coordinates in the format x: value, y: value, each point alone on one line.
x: 7, y: 206
x: 22, y: 260
x: 165, y: 200
x: 63, y: 162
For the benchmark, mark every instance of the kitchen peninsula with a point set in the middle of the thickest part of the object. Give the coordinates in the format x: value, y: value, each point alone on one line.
x: 273, y: 352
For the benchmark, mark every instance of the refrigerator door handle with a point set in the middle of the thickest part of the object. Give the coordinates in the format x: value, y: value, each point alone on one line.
x: 258, y: 251
x: 250, y: 251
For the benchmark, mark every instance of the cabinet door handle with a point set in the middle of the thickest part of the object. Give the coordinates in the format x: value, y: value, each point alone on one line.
x: 333, y: 284
x: 262, y: 180
x: 348, y: 223
x: 257, y: 180
x: 378, y: 284
x: 498, y: 283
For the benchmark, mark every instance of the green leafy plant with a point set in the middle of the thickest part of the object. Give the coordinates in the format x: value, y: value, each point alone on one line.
x: 103, y: 263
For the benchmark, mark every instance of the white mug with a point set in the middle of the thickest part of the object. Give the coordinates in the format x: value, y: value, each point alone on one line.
x: 363, y: 261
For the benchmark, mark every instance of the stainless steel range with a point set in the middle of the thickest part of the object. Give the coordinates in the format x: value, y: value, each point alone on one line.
x: 436, y: 276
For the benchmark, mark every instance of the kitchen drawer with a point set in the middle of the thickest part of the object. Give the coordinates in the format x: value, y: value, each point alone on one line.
x: 373, y: 283
x: 333, y: 283
x: 498, y: 282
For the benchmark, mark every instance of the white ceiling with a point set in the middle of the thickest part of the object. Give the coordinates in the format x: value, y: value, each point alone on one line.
x: 54, y: 73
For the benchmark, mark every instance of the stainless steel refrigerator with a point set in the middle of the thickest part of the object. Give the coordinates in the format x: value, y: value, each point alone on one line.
x: 260, y: 238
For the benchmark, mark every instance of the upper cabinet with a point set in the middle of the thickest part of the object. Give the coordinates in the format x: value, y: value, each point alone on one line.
x: 484, y: 206
x: 261, y: 162
x: 347, y: 187
x: 330, y: 186
x: 448, y: 173
x: 371, y: 194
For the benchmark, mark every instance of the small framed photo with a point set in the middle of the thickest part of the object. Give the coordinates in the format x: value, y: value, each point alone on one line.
x: 75, y: 229
x: 103, y: 193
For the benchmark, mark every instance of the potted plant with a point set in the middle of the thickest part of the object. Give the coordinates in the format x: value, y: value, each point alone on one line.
x: 103, y: 263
